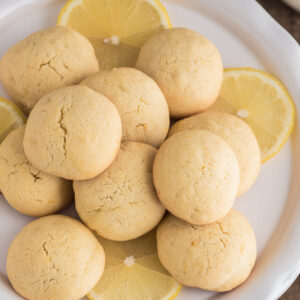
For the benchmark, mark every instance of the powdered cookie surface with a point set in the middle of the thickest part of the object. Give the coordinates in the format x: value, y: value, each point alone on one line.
x: 54, y: 258
x: 121, y: 203
x: 73, y: 133
x: 140, y: 102
x: 186, y: 66
x: 216, y: 257
x: 236, y: 133
x: 196, y: 176
x: 46, y: 60
x: 27, y: 189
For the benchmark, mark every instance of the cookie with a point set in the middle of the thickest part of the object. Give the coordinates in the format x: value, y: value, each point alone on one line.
x: 73, y: 133
x: 216, y: 257
x: 121, y: 203
x: 140, y: 102
x: 236, y: 133
x: 46, y: 60
x: 54, y: 257
x: 196, y: 176
x: 186, y: 66
x: 25, y: 188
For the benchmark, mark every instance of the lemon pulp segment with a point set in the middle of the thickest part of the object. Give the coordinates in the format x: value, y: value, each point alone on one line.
x: 116, y: 28
x: 133, y: 272
x: 263, y: 102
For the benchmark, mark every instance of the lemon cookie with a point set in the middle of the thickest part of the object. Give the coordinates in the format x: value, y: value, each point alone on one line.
x: 121, y: 203
x: 26, y: 189
x: 236, y: 133
x: 73, y: 133
x: 46, y: 60
x: 140, y: 102
x: 196, y: 176
x: 216, y: 257
x: 186, y: 66
x: 54, y: 258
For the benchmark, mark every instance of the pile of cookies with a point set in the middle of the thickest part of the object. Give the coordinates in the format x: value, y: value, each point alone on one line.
x: 101, y: 131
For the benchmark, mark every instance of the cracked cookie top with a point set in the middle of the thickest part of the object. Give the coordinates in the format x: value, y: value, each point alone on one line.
x: 196, y: 176
x: 140, y: 102
x: 27, y: 189
x: 73, y: 133
x: 54, y: 257
x: 46, y: 60
x: 216, y: 257
x: 121, y: 203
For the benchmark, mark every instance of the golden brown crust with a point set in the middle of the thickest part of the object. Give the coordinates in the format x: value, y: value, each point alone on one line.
x: 73, y: 133
x: 140, y: 102
x: 46, y: 60
x: 25, y: 188
x: 236, y: 133
x: 54, y: 258
x: 121, y: 203
x: 196, y: 176
x: 217, y: 257
x: 186, y: 66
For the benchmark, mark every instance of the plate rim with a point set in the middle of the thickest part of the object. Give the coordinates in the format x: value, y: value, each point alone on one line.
x: 286, y: 257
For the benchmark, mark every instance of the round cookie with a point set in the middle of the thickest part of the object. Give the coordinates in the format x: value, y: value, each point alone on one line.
x: 46, y: 60
x: 25, y: 188
x: 216, y: 257
x: 187, y: 67
x: 73, y: 133
x: 54, y: 258
x: 196, y: 176
x: 121, y: 203
x: 236, y: 133
x: 140, y: 102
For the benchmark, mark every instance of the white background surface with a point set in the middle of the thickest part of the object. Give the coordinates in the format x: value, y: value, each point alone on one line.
x: 246, y: 36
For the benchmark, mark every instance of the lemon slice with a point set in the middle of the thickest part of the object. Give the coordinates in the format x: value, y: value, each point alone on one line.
x: 133, y: 272
x: 10, y: 118
x: 116, y: 28
x: 263, y: 102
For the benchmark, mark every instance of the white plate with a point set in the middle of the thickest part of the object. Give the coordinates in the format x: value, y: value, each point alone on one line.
x: 246, y: 36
